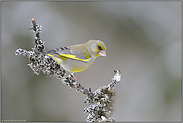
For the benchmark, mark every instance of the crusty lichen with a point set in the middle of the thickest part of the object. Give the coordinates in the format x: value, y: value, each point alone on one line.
x: 101, y: 105
x: 100, y: 101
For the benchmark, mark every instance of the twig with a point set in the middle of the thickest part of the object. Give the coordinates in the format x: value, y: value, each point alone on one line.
x: 100, y: 101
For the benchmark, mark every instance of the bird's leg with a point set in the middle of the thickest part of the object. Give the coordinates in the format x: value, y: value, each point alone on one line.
x: 74, y: 77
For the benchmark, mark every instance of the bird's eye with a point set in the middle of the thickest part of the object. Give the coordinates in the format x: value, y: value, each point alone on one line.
x: 99, y: 47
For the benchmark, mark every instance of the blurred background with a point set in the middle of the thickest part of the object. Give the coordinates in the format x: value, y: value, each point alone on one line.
x: 143, y: 40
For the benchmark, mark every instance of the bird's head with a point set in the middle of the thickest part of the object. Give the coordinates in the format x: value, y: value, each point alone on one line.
x: 96, y: 48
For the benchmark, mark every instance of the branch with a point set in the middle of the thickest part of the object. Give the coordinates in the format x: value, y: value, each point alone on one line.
x: 100, y: 101
x: 101, y: 105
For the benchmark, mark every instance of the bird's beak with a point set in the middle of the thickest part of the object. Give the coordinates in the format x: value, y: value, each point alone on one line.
x: 102, y: 53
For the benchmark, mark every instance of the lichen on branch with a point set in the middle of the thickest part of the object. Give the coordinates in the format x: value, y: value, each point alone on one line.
x: 100, y: 101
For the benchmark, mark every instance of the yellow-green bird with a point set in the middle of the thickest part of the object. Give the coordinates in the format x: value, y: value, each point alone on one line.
x: 77, y: 58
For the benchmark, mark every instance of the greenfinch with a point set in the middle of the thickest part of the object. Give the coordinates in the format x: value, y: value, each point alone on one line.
x: 77, y: 58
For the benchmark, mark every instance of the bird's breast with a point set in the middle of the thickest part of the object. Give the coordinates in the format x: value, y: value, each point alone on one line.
x: 75, y: 66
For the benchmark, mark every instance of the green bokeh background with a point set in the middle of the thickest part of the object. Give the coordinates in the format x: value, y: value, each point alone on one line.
x: 143, y: 40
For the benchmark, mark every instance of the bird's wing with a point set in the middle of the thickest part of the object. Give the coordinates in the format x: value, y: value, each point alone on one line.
x: 63, y: 53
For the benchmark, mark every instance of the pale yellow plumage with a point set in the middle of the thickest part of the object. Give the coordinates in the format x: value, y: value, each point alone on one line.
x: 77, y: 58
